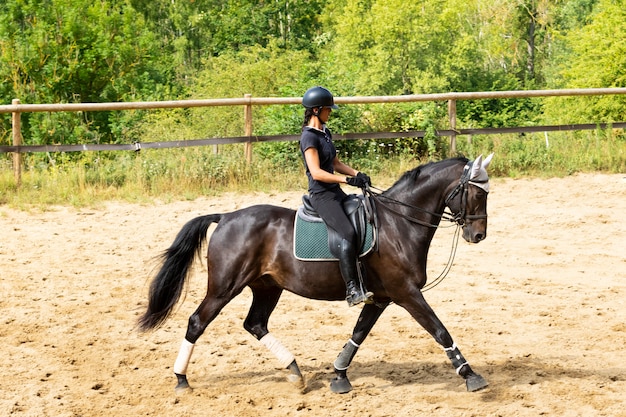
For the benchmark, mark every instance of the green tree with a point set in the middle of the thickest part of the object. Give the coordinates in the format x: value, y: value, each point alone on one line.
x: 394, y: 47
x: 76, y: 51
x: 574, y: 14
x: 260, y: 71
x: 391, y: 47
x: 593, y: 55
x: 193, y: 30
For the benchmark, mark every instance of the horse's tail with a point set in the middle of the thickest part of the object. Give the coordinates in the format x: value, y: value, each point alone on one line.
x: 167, y: 286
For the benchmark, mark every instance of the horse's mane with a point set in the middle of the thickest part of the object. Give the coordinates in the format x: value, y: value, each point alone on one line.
x: 412, y: 175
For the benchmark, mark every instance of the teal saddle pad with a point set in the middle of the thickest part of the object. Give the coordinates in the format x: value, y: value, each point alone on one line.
x: 310, y: 239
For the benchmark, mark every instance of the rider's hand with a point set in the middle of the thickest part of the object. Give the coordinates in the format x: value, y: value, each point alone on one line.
x: 366, y: 177
x: 356, y: 181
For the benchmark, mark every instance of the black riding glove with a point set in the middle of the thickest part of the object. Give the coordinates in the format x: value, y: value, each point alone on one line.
x: 366, y: 177
x: 356, y: 181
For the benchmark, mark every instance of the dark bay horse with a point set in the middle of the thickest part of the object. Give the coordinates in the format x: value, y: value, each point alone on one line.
x: 253, y: 247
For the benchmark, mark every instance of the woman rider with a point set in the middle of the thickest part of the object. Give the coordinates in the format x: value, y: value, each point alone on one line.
x: 321, y: 162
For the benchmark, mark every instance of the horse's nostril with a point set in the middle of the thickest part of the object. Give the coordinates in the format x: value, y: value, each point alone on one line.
x: 479, y: 237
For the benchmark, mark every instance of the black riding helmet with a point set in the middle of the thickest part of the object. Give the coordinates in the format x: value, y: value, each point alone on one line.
x: 316, y: 97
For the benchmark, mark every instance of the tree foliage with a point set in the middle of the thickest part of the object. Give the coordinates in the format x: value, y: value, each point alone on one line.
x: 595, y: 57
x: 66, y: 51
x: 121, y: 50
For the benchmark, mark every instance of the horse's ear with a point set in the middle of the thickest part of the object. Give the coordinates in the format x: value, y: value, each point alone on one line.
x: 487, y: 160
x: 476, y: 166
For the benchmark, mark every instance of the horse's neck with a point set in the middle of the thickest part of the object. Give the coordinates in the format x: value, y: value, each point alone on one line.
x: 426, y: 193
x: 423, y: 204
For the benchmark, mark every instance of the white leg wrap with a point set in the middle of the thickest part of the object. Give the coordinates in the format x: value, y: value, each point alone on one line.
x: 273, y: 345
x: 184, y: 354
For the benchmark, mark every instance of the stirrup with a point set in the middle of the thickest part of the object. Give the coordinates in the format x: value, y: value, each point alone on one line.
x: 358, y: 297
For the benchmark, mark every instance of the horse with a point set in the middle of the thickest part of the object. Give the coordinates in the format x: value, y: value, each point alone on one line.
x: 253, y: 247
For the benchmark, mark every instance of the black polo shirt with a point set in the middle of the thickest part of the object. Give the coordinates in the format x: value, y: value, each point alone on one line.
x: 323, y: 142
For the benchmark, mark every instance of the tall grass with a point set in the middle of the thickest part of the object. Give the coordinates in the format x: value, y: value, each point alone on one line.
x: 166, y: 175
x: 552, y: 154
x: 90, y: 178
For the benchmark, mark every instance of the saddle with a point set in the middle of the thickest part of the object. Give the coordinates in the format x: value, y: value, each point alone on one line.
x: 314, y: 241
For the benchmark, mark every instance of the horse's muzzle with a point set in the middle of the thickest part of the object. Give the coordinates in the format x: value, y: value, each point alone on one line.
x: 473, y: 234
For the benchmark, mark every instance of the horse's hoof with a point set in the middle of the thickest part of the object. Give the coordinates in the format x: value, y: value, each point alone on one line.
x: 183, y: 384
x: 297, y: 380
x: 340, y: 385
x: 182, y: 391
x: 475, y: 382
x: 295, y: 376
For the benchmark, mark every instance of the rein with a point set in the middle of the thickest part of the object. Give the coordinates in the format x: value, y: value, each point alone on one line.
x: 458, y: 218
x: 377, y: 196
x: 446, y: 216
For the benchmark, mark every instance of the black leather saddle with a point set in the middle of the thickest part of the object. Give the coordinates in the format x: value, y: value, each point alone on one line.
x: 355, y: 208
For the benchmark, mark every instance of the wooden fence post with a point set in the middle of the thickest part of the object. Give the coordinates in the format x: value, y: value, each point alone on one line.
x: 247, y: 116
x: 452, y: 117
x: 16, y: 126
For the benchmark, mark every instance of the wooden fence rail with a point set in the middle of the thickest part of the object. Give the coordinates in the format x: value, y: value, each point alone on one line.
x: 284, y: 138
x: 16, y: 108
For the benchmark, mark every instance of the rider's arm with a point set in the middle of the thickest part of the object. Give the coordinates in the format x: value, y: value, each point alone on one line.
x: 313, y: 163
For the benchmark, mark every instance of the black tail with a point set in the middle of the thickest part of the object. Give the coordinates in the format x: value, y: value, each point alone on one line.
x: 167, y: 286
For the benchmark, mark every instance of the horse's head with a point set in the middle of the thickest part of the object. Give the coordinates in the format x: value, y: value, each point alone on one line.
x: 468, y: 200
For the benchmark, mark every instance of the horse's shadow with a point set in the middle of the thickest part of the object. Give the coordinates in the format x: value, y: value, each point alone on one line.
x: 501, y: 375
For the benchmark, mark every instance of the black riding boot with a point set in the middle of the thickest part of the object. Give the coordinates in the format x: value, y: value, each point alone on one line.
x: 355, y: 289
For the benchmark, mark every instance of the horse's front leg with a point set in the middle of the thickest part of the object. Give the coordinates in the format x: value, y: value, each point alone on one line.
x: 473, y: 381
x: 368, y: 317
x: 426, y: 317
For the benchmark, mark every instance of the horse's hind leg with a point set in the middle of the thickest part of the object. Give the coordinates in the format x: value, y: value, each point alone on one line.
x: 198, y: 322
x: 369, y: 316
x: 426, y: 317
x: 263, y: 303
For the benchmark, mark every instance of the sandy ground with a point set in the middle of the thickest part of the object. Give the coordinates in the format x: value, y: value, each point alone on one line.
x: 538, y: 309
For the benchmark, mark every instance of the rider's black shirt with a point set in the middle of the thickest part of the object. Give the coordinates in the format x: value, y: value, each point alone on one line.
x: 323, y: 142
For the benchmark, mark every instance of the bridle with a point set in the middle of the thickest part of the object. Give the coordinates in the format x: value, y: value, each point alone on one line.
x: 460, y: 218
x: 463, y: 187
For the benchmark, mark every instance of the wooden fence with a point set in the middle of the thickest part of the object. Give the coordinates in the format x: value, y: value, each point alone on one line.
x: 16, y: 108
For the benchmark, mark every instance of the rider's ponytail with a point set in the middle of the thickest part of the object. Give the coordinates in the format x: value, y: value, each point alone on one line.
x: 308, y: 113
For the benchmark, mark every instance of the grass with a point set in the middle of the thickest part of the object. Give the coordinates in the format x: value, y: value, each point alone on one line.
x: 88, y: 179
x: 556, y: 154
